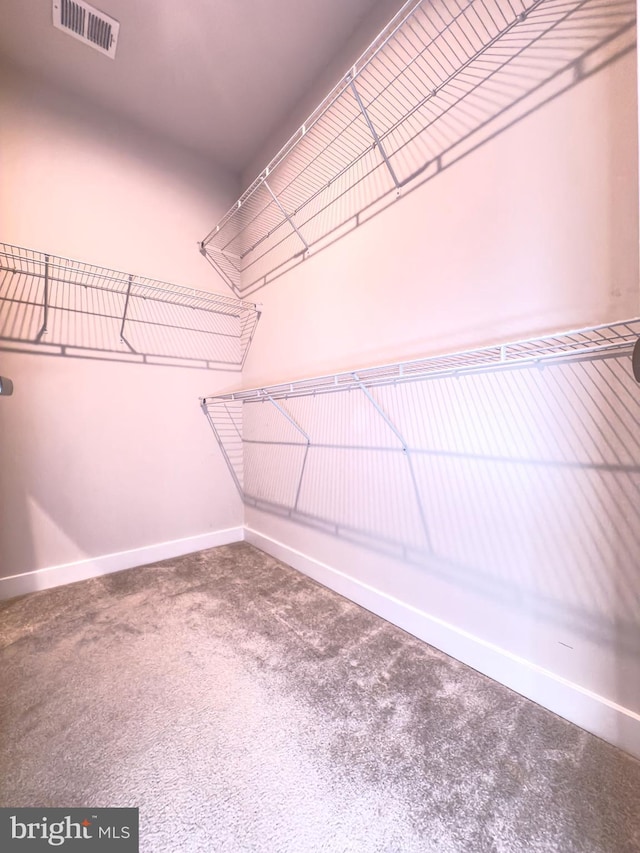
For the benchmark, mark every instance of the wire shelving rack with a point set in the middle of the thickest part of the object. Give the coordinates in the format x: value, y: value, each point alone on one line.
x: 436, y: 75
x: 611, y: 339
x: 52, y: 300
x: 225, y: 412
x: 511, y: 470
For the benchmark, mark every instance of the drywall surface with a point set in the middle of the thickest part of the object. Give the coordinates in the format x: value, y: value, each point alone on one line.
x: 99, y: 457
x: 536, y: 230
x: 100, y: 190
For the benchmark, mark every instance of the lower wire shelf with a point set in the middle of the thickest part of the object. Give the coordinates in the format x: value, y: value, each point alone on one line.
x: 512, y: 470
x: 590, y: 342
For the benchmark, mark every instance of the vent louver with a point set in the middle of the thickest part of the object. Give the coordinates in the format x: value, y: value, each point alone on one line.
x: 86, y: 24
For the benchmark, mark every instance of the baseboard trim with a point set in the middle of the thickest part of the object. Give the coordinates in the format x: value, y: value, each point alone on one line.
x: 107, y: 563
x: 598, y: 715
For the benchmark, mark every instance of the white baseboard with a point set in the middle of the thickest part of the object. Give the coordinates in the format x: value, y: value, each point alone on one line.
x: 598, y: 715
x: 107, y: 563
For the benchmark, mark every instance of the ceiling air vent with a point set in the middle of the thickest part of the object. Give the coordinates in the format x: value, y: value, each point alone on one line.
x: 86, y: 24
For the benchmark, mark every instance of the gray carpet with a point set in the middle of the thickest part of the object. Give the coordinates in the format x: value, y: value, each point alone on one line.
x: 243, y: 707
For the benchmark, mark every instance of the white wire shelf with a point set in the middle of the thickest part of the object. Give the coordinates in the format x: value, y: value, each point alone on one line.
x: 436, y: 75
x: 512, y: 470
x: 51, y: 300
x: 611, y: 339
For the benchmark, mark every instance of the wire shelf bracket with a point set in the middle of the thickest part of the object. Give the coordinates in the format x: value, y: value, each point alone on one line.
x: 45, y: 301
x: 376, y: 139
x: 407, y: 452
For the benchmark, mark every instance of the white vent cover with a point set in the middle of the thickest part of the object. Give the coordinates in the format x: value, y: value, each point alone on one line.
x: 86, y: 24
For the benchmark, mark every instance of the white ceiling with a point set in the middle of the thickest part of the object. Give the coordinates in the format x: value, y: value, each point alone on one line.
x: 214, y: 75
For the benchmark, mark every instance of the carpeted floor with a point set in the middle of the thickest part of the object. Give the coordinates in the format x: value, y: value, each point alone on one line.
x: 243, y: 707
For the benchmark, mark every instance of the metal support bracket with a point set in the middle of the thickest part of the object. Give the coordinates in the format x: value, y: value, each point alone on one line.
x: 405, y: 448
x: 385, y: 417
x: 307, y: 438
x: 45, y: 319
x: 223, y: 449
x: 286, y: 215
x: 124, y: 315
x: 374, y: 133
x: 286, y: 414
x: 233, y: 423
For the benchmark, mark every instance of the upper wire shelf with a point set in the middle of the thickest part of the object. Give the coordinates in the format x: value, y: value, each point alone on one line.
x: 436, y: 75
x: 71, y: 307
x: 612, y: 339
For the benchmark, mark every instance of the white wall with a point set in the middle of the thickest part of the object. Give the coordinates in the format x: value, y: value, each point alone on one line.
x: 98, y: 457
x: 535, y: 231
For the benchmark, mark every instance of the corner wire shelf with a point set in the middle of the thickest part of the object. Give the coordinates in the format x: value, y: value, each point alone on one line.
x: 608, y: 340
x: 440, y: 72
x: 73, y: 306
